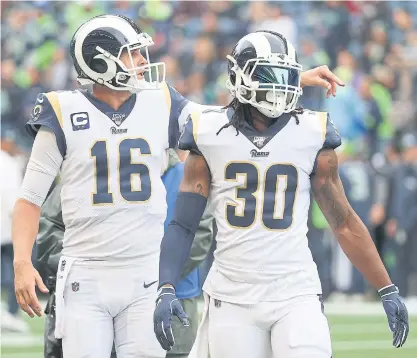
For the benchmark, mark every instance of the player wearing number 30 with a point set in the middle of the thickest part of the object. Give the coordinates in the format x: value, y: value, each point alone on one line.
x: 109, y: 147
x: 256, y: 161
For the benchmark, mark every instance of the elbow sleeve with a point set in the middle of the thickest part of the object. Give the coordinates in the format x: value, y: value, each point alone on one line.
x: 44, y: 165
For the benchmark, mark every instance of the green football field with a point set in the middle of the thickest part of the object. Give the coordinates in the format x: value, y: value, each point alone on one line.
x: 355, y: 336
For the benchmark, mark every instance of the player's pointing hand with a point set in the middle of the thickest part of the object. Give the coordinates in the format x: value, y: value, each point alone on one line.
x: 321, y: 77
x: 26, y: 278
x: 397, y: 314
x: 167, y: 305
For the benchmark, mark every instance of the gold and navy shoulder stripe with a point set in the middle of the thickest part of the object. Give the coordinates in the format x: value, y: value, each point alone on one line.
x: 47, y: 112
x: 330, y: 135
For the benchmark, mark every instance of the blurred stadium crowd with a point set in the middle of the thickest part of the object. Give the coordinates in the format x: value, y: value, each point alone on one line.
x: 371, y: 46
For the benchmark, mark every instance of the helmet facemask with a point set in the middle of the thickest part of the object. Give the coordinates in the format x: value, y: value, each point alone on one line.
x: 272, y: 85
x: 152, y: 73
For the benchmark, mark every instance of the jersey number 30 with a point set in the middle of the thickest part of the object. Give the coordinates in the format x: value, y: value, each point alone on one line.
x: 127, y: 170
x: 279, y: 190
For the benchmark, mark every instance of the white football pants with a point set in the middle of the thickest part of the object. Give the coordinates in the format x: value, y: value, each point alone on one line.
x: 296, y: 328
x: 105, y: 303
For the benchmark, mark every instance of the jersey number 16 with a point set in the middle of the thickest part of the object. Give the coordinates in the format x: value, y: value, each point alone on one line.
x: 126, y: 171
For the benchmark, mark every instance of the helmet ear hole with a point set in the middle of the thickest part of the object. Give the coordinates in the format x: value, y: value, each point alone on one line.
x: 245, y: 93
x: 99, y: 65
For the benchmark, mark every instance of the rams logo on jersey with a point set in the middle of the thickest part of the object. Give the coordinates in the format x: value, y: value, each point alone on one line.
x: 38, y: 109
x: 114, y: 130
x: 36, y: 112
x: 255, y: 154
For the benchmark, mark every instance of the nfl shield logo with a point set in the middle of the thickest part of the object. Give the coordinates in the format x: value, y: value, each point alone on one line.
x: 118, y: 118
x: 75, y: 286
x: 259, y: 141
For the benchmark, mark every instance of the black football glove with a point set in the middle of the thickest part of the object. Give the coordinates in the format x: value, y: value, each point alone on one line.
x: 167, y: 305
x: 397, y: 314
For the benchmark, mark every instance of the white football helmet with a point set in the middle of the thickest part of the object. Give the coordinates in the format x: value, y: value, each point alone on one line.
x: 96, y: 49
x: 264, y: 72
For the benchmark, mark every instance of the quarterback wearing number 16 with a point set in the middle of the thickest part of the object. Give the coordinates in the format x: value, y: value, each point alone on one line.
x: 109, y: 147
x: 256, y: 161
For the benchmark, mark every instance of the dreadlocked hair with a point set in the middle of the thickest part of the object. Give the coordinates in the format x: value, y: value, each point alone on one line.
x: 296, y: 112
x: 242, y: 111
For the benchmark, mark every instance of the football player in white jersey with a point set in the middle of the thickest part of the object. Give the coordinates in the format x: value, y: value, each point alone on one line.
x: 109, y: 146
x: 256, y: 161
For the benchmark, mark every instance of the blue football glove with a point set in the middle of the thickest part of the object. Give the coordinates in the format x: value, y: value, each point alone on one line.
x: 167, y: 305
x: 397, y: 314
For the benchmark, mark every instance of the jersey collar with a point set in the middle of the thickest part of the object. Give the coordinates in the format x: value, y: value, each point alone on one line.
x: 116, y: 116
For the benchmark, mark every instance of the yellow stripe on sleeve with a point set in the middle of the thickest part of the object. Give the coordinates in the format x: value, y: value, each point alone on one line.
x: 323, y: 122
x: 195, y: 117
x: 53, y: 100
x: 167, y: 95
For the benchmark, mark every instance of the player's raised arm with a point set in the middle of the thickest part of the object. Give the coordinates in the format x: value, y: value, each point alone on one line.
x: 356, y: 241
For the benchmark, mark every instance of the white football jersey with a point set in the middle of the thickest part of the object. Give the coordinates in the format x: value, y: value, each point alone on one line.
x: 260, y: 197
x: 113, y: 198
